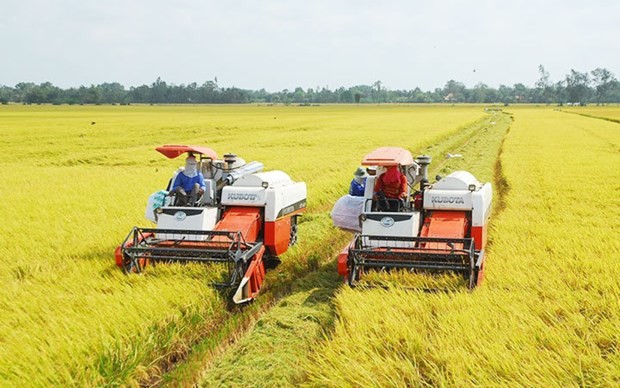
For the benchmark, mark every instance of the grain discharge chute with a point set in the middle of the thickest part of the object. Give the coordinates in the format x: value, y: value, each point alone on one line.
x: 441, y: 227
x: 243, y: 218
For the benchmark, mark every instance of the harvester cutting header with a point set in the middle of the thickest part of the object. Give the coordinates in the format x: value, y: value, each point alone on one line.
x: 440, y: 227
x: 225, y: 212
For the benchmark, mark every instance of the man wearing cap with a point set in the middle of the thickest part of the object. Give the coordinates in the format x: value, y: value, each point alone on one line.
x: 358, y: 184
x: 189, y: 180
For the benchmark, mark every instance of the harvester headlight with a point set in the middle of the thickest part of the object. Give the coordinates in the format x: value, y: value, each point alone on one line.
x: 472, y: 187
x: 265, y: 185
x: 159, y: 210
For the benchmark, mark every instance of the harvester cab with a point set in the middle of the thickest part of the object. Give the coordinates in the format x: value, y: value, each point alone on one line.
x: 440, y: 227
x: 244, y: 217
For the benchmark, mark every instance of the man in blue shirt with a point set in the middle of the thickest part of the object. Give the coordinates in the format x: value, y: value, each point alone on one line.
x: 189, y: 180
x: 358, y: 184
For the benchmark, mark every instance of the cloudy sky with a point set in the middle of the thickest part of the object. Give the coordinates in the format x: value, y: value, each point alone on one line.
x: 283, y: 44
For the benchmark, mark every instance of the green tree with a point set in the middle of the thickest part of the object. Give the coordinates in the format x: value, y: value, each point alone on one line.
x: 112, y: 92
x: 454, y: 91
x: 299, y: 95
x: 577, y: 87
x: 603, y: 81
x: 544, y: 88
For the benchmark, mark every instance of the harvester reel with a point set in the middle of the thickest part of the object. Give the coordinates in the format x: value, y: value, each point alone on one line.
x: 133, y: 265
x: 354, y: 272
x: 474, y: 278
x: 471, y: 283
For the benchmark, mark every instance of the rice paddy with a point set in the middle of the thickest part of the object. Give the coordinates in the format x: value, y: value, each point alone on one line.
x: 76, y: 179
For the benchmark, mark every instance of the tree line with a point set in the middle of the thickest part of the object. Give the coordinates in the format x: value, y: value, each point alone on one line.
x: 598, y: 86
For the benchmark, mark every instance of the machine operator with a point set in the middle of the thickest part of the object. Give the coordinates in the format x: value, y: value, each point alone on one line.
x: 390, y: 189
x: 189, y: 181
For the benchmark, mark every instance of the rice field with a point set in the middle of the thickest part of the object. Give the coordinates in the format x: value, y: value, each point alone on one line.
x: 76, y: 179
x: 279, y: 346
x: 549, y: 312
x: 607, y: 112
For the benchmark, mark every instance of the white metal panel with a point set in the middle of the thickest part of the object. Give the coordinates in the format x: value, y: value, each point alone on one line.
x: 273, y: 202
x: 482, y: 200
x: 274, y: 178
x: 391, y: 224
x: 184, y: 218
x: 458, y: 180
x: 447, y: 199
x: 243, y: 196
x: 369, y: 190
x: 284, y: 200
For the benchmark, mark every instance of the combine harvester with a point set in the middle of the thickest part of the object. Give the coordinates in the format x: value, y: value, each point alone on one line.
x: 442, y: 227
x: 244, y: 217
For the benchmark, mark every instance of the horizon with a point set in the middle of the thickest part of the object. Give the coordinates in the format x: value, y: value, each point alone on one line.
x: 316, y: 88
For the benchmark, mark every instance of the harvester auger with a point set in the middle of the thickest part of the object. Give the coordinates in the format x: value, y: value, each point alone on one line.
x: 244, y: 217
x: 442, y: 227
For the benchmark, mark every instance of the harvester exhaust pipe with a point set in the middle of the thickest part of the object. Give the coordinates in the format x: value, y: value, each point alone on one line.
x: 423, y: 161
x: 230, y: 159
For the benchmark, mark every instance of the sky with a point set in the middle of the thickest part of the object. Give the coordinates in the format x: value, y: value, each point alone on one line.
x: 280, y: 45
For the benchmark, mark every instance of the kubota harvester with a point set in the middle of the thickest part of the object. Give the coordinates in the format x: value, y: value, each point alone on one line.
x: 244, y: 218
x: 440, y: 227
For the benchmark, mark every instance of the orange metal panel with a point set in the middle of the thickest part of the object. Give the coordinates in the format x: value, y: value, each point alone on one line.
x: 479, y: 234
x: 118, y: 256
x: 343, y: 258
x: 246, y: 220
x: 388, y: 156
x: 255, y: 274
x: 278, y: 235
x: 445, y: 224
x: 172, y: 151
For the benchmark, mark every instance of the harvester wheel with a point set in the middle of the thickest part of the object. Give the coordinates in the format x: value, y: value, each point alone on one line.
x: 271, y: 262
x: 293, y: 238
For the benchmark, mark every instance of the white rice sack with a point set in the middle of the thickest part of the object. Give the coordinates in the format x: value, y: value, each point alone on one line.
x: 346, y: 212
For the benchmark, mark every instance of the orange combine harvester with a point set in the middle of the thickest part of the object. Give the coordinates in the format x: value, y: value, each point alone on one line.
x: 439, y: 227
x: 243, y: 218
